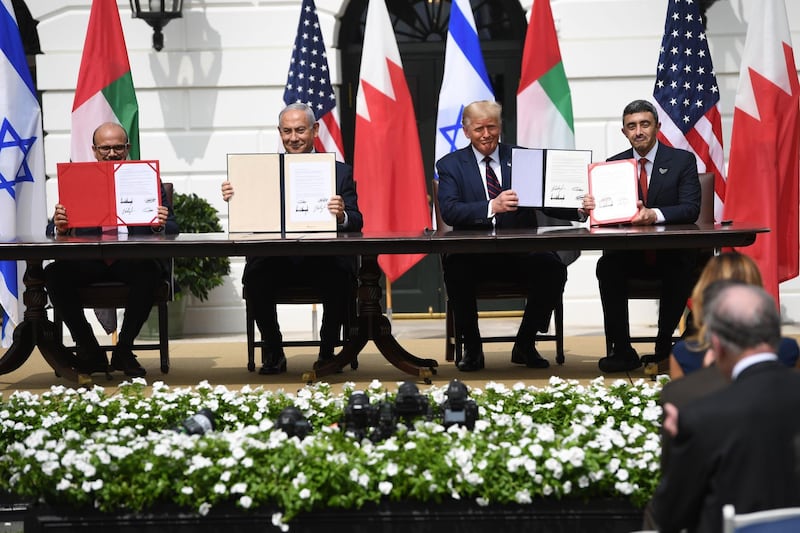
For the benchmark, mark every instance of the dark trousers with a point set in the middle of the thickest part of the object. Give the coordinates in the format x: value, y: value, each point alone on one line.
x: 542, y: 274
x: 264, y: 276
x: 64, y: 277
x: 676, y: 270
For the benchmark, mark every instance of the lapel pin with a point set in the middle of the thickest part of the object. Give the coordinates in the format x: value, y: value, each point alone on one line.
x: 663, y: 170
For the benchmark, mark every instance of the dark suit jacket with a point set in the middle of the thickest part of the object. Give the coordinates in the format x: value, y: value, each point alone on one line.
x: 346, y: 188
x: 683, y: 391
x: 462, y: 196
x: 740, y: 445
x: 674, y: 187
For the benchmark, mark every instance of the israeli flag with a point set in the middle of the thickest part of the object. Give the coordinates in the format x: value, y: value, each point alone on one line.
x: 22, y: 177
x: 465, y: 79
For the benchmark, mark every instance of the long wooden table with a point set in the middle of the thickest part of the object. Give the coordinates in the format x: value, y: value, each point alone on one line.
x: 37, y: 331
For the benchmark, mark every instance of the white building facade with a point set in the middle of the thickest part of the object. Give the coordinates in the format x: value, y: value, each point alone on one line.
x: 217, y: 86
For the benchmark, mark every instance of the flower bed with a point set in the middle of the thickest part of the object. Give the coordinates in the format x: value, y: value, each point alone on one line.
x: 117, y: 454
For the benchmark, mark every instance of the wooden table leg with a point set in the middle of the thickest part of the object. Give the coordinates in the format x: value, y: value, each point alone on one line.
x: 372, y: 325
x: 36, y: 330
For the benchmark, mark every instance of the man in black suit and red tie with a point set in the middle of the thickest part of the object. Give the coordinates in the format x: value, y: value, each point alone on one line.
x: 740, y: 445
x: 475, y: 193
x: 669, y: 193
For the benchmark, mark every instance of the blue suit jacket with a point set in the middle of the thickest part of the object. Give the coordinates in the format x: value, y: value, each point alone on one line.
x: 462, y: 196
x: 674, y: 187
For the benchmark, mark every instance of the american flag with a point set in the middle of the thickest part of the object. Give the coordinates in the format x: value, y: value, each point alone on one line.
x: 687, y: 94
x: 309, y: 81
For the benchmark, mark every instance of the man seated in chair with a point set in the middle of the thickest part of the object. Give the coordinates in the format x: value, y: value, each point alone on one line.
x: 475, y: 193
x: 64, y: 277
x: 741, y: 444
x: 669, y: 192
x: 333, y: 276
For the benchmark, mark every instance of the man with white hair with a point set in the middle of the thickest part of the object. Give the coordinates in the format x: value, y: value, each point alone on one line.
x: 740, y: 445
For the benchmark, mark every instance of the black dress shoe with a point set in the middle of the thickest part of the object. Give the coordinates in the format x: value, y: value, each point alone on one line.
x: 526, y: 354
x: 273, y: 366
x: 472, y: 360
x: 91, y: 360
x: 324, y: 358
x: 124, y: 359
x: 624, y: 361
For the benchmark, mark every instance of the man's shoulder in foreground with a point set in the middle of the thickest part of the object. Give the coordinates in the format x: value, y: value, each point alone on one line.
x: 781, y: 384
x: 693, y: 386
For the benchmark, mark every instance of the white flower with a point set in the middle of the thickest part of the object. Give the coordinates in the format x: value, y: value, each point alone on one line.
x: 523, y: 496
x: 385, y: 487
x: 304, y: 494
x: 246, y: 501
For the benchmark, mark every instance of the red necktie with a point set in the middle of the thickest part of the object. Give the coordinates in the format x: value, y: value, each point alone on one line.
x: 643, y: 179
x: 649, y: 255
x: 492, y: 184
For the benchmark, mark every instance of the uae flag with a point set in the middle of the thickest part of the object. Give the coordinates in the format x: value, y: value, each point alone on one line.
x: 387, y: 163
x: 762, y: 187
x: 104, y: 91
x: 544, y: 103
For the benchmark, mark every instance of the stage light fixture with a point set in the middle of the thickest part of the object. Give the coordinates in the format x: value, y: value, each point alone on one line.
x: 458, y: 407
x: 293, y: 423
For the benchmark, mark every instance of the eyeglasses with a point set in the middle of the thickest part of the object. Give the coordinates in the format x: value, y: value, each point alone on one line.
x: 115, y: 147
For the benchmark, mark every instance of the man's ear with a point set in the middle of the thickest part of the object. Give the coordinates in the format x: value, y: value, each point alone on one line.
x: 710, y: 357
x: 715, y: 346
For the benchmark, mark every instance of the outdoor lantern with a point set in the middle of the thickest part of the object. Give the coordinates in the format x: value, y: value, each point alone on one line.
x: 157, y: 13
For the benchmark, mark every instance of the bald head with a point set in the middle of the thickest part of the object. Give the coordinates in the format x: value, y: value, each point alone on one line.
x: 741, y: 320
x: 110, y: 142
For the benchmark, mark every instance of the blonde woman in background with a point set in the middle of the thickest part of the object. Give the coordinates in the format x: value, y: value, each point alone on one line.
x: 687, y: 355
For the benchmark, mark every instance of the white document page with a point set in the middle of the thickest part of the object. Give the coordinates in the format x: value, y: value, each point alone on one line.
x: 527, y: 175
x: 615, y: 189
x: 566, y: 177
x: 310, y: 182
x: 137, y: 192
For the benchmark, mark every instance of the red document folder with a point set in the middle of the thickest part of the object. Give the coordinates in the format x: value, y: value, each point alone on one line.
x: 110, y: 193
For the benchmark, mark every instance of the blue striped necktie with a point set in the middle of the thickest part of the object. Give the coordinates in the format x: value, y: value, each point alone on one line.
x: 492, y: 184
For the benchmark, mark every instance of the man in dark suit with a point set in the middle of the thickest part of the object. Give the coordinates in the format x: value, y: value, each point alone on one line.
x: 475, y: 193
x: 334, y: 276
x: 740, y: 445
x: 64, y: 277
x: 669, y: 194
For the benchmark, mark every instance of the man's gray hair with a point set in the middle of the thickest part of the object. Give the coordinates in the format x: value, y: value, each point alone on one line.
x: 299, y: 106
x: 742, y: 316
